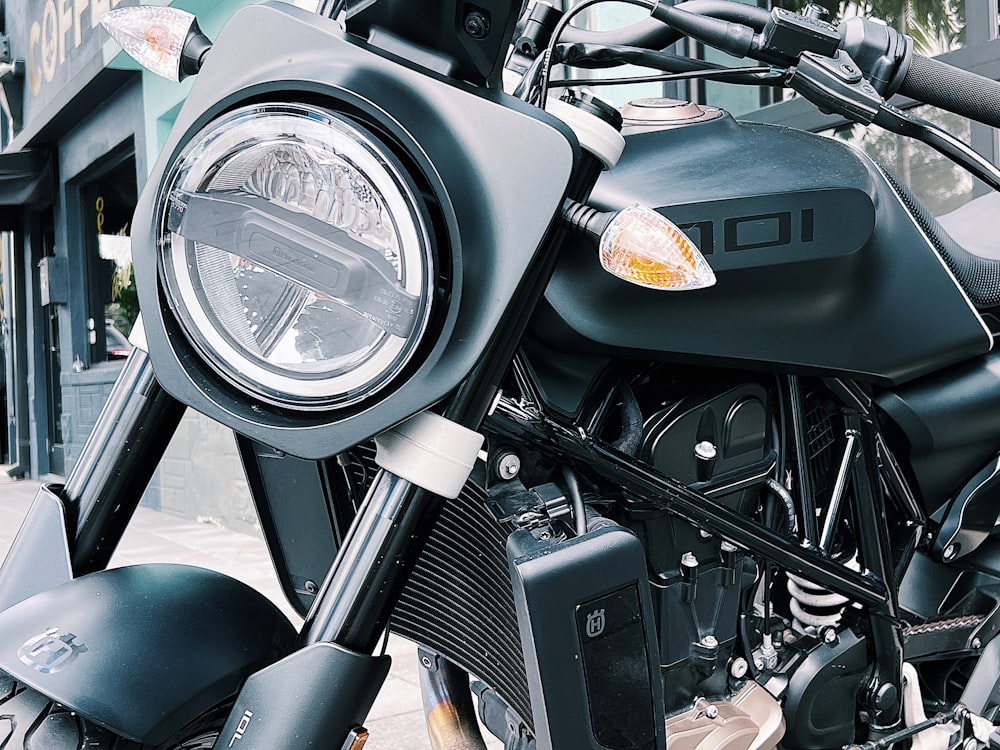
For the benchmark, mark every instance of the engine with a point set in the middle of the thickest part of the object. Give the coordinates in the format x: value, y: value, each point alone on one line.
x: 748, y: 656
x: 717, y: 441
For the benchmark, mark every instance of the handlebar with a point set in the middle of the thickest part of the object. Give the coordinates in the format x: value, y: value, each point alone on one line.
x: 652, y: 34
x: 956, y: 90
x: 884, y: 56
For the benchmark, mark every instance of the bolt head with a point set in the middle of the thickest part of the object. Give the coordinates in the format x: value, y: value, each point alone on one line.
x: 477, y: 25
x: 950, y: 552
x: 710, y: 641
x: 705, y: 450
x: 886, y: 696
x: 977, y: 643
x: 712, y: 712
x: 758, y: 663
x: 829, y: 635
x: 509, y: 466
x: 688, y: 560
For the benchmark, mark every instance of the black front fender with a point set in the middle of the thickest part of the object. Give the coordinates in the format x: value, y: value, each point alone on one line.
x: 143, y: 650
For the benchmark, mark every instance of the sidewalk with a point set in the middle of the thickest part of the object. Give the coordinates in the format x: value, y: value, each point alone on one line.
x: 396, y: 721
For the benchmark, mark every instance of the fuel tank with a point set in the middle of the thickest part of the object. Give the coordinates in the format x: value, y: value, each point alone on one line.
x: 821, y: 269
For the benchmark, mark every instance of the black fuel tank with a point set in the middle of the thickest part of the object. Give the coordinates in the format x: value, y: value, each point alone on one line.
x: 820, y: 267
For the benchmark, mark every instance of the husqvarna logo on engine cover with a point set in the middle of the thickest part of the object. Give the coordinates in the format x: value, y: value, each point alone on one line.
x: 51, y: 651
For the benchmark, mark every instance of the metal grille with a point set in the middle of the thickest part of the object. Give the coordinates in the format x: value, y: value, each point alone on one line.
x: 459, y: 602
x: 820, y: 439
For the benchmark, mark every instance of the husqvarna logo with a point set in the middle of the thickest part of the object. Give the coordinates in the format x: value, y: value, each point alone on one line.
x: 595, y: 623
x: 51, y: 651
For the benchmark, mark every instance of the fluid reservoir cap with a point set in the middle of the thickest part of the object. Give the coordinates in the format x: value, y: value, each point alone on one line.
x: 660, y: 113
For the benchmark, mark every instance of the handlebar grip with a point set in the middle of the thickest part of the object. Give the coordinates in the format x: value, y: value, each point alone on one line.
x: 956, y: 90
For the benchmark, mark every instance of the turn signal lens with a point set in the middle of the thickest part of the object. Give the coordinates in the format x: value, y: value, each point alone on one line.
x: 153, y: 35
x: 647, y: 249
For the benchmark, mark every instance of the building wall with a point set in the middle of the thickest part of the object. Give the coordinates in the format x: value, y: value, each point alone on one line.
x: 201, y: 477
x: 92, y: 104
x: 84, y: 395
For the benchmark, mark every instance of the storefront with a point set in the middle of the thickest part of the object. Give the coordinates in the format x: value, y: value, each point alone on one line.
x: 85, y: 121
x: 80, y: 127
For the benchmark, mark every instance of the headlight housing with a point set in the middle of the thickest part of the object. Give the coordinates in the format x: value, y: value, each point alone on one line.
x: 295, y: 254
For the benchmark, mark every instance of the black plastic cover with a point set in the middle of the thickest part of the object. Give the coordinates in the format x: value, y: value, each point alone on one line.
x: 497, y: 169
x: 949, y: 421
x: 820, y: 705
x: 39, y: 557
x: 142, y: 650
x: 820, y: 268
x: 585, y: 616
x: 311, y: 699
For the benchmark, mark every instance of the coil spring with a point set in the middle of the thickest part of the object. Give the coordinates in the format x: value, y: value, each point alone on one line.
x: 813, y: 606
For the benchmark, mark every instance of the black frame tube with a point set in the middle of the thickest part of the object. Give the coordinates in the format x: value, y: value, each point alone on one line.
x: 884, y: 695
x: 806, y: 494
x: 118, y: 460
x: 691, y: 505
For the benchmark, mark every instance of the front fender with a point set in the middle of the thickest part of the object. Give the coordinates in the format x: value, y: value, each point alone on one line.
x: 143, y: 650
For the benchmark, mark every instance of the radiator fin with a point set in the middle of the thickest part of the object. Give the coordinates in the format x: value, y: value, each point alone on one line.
x: 459, y: 602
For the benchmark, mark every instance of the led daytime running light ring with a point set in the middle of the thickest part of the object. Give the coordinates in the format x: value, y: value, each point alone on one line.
x: 354, y: 215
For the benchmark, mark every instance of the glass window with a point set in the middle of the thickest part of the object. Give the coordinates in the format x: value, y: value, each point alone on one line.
x: 605, y: 17
x: 939, y: 183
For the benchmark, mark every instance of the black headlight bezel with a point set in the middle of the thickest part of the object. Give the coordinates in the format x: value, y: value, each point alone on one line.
x: 492, y: 172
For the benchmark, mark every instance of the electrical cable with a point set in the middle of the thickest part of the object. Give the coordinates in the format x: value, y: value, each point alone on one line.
x: 579, y: 510
x: 331, y: 8
x: 543, y: 90
x: 767, y: 77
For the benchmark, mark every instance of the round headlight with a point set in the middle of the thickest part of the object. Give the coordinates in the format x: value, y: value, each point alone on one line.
x: 295, y: 255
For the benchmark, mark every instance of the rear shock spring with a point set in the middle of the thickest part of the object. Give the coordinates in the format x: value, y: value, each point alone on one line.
x: 813, y: 607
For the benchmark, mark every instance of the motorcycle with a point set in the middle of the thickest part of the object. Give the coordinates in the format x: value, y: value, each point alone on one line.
x: 637, y: 436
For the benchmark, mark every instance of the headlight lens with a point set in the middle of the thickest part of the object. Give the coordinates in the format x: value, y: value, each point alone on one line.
x: 295, y: 255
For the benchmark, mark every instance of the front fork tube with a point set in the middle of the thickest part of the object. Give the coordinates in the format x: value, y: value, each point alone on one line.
x: 319, y: 706
x: 883, y: 697
x: 86, y: 517
x: 357, y: 597
x: 118, y: 460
